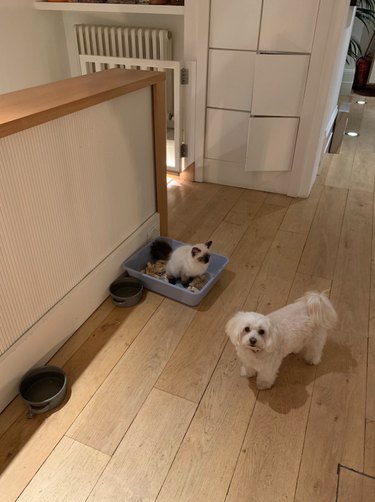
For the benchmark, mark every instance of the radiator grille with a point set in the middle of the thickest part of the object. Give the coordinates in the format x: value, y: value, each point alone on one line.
x: 124, y: 41
x: 131, y: 42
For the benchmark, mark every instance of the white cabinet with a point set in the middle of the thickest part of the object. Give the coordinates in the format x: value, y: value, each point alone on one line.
x: 288, y: 25
x: 235, y: 24
x: 230, y: 79
x: 226, y: 135
x: 259, y: 57
x: 279, y: 84
x: 271, y: 143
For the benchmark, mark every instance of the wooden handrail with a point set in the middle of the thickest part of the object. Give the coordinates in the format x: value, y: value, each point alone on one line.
x: 27, y: 108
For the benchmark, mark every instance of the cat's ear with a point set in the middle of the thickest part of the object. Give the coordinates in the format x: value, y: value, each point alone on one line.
x: 208, y: 244
x: 195, y: 251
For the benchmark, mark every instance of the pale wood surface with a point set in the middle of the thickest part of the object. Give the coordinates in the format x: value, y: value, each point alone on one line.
x: 157, y: 387
x: 142, y: 460
x: 69, y: 473
x: 354, y: 487
x: 138, y: 369
x: 319, y: 255
x: 204, y: 464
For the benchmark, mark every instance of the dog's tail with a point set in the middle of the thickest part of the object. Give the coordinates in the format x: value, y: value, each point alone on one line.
x: 160, y: 250
x: 320, y: 309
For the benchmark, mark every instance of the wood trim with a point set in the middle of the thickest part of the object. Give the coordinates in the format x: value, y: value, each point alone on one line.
x: 27, y: 108
x: 188, y: 174
x: 158, y: 97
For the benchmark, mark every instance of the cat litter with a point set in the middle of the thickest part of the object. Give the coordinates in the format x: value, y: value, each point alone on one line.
x: 136, y: 266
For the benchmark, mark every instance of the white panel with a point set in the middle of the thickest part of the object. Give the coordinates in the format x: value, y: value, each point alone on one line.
x: 230, y: 79
x: 226, y: 135
x: 71, y: 191
x: 288, y: 25
x: 235, y: 24
x: 271, y: 144
x: 279, y: 84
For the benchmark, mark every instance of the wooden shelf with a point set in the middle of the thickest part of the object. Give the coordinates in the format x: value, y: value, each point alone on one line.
x: 111, y: 7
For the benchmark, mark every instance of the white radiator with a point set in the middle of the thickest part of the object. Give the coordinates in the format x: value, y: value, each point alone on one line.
x: 123, y: 41
x: 129, y: 42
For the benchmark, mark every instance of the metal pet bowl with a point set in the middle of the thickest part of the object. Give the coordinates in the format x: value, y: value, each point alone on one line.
x: 43, y: 389
x: 126, y: 291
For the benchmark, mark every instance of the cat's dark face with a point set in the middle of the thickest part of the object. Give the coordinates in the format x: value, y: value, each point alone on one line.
x: 200, y: 252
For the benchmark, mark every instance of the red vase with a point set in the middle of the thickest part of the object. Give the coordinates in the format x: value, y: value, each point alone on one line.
x: 361, y: 72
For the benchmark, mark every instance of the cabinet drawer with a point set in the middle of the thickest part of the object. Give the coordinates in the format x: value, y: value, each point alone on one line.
x: 230, y: 79
x: 235, y: 24
x: 271, y: 143
x: 279, y: 84
x: 288, y: 25
x: 226, y: 135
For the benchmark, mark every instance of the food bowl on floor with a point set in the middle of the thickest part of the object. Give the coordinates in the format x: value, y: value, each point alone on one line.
x: 43, y: 389
x: 126, y: 291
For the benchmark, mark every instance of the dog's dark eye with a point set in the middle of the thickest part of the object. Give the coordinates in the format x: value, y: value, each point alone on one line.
x: 261, y: 331
x: 247, y: 329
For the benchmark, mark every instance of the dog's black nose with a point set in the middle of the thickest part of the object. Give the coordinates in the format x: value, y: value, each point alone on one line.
x: 253, y: 340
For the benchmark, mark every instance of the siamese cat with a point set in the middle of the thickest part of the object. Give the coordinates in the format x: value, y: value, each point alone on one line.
x: 185, y: 262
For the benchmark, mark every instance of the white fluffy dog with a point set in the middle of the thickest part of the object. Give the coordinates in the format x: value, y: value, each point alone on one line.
x: 262, y: 341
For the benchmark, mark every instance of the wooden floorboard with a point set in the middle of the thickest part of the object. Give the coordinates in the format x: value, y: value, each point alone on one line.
x: 69, y: 473
x: 339, y: 396
x: 157, y: 409
x: 205, y: 462
x: 141, y: 462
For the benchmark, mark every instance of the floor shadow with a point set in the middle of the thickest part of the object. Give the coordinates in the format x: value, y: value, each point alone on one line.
x: 290, y: 390
x: 16, y: 437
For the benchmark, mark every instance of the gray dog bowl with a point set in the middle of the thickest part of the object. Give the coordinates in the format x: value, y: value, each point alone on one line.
x: 126, y: 291
x: 43, y: 389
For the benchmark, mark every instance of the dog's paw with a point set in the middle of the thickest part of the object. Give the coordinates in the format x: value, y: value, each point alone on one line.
x: 313, y: 360
x: 264, y: 384
x: 247, y: 373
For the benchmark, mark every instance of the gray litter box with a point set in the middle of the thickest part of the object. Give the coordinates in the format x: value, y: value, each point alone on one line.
x: 43, y: 389
x: 138, y: 262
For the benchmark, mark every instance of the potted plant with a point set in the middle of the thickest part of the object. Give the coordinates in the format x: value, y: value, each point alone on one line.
x: 365, y: 13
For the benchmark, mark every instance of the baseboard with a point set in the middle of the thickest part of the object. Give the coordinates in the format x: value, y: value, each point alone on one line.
x: 347, y: 82
x: 43, y: 340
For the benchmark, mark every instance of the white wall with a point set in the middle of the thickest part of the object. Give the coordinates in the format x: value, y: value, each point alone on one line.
x: 32, y: 46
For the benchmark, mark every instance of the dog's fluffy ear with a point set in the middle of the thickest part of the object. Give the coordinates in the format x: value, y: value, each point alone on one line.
x: 233, y: 328
x: 270, y: 341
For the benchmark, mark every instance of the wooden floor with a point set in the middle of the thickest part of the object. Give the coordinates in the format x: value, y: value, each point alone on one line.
x: 158, y: 410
